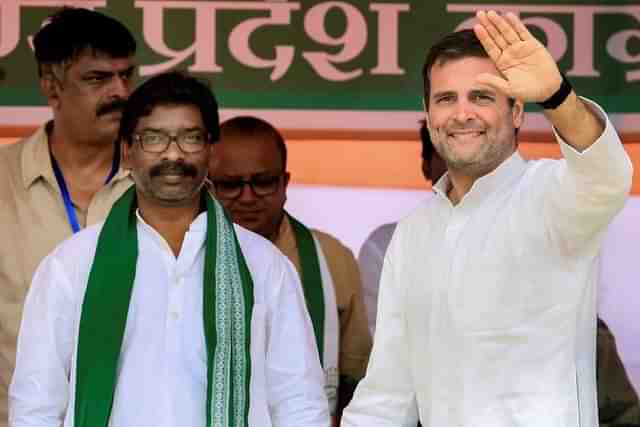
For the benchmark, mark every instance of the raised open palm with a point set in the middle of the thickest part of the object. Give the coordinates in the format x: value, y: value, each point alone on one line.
x: 530, y: 72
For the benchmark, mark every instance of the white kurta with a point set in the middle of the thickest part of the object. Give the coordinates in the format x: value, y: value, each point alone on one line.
x: 487, y: 313
x: 162, y: 371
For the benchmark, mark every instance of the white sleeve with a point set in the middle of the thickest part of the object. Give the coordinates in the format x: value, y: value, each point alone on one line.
x: 39, y: 391
x: 586, y: 190
x: 385, y: 397
x: 295, y: 380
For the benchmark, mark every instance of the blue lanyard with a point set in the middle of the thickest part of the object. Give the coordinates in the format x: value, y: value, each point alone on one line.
x: 66, y: 197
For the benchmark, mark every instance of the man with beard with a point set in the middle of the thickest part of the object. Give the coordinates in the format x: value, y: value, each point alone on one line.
x: 167, y: 314
x: 487, y: 313
x: 617, y: 400
x: 67, y: 174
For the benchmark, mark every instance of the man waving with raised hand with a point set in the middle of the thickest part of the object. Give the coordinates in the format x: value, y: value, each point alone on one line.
x: 487, y: 306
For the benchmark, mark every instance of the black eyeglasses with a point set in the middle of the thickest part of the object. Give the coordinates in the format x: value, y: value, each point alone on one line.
x: 261, y: 185
x: 155, y: 141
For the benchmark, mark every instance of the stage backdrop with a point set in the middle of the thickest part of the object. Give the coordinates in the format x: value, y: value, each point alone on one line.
x: 332, y: 65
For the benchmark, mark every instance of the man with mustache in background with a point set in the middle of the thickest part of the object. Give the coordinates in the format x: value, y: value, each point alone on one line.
x: 67, y: 174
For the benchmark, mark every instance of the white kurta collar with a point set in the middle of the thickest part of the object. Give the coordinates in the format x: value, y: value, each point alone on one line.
x: 508, y: 171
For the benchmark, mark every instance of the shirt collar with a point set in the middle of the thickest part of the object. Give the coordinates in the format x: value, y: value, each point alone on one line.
x: 199, y: 223
x: 285, y: 240
x: 121, y: 173
x: 36, y: 159
x: 509, y: 170
x: 198, y: 226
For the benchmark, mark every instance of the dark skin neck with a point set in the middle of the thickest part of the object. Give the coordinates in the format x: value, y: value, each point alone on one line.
x: 460, y: 185
x: 85, y: 165
x: 172, y: 222
x: 273, y: 236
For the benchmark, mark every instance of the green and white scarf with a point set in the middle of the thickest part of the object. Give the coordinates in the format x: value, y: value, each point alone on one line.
x: 227, y: 307
x: 320, y: 298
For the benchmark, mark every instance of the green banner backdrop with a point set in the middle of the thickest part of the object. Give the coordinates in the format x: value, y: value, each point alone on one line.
x: 331, y: 57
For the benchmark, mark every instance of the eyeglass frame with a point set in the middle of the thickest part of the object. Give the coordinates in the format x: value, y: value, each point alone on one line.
x: 250, y: 182
x: 137, y: 137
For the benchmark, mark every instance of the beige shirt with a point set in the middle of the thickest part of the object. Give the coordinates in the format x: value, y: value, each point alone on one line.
x: 33, y: 221
x: 355, y: 340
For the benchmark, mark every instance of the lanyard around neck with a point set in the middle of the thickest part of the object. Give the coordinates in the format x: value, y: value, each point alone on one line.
x: 66, y: 196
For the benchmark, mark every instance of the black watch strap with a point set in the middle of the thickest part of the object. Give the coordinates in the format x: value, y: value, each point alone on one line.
x: 558, y: 98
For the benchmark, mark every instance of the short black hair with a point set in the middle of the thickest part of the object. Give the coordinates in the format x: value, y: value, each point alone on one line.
x: 253, y: 126
x: 425, y: 139
x: 167, y: 89
x: 453, y: 46
x: 71, y: 31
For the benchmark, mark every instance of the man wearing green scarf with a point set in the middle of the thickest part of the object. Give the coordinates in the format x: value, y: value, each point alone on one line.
x: 167, y: 314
